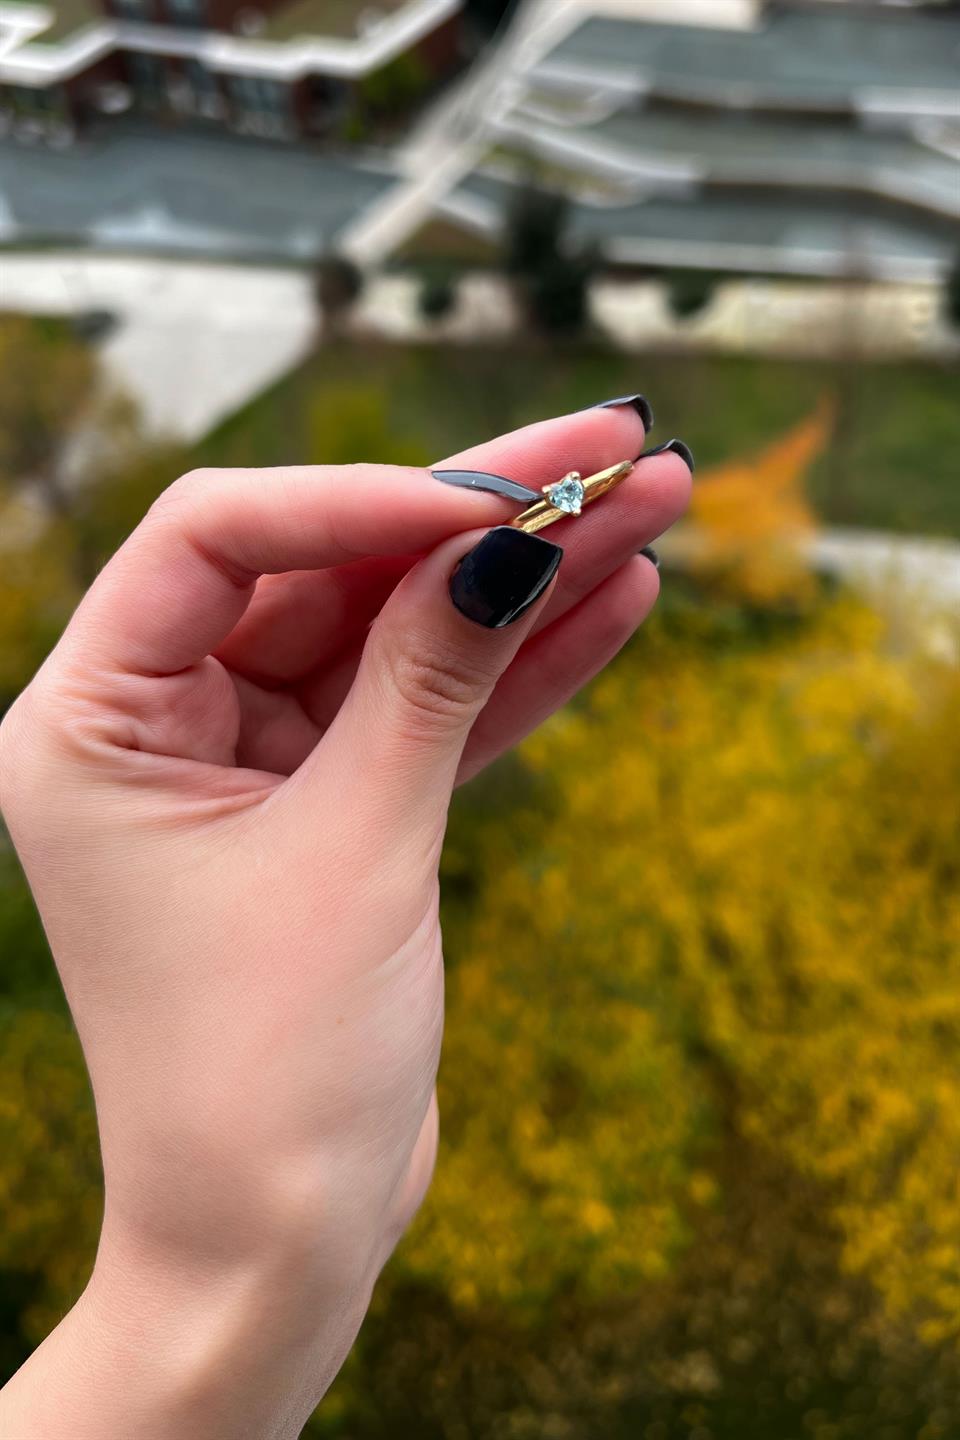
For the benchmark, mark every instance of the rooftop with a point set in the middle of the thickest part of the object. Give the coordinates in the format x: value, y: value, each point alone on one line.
x: 131, y: 189
x: 341, y: 19
x: 43, y: 44
x: 745, y: 230
x: 808, y: 139
x: 675, y: 146
x: 817, y: 57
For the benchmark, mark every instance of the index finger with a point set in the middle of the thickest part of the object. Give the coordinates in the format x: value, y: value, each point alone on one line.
x: 183, y: 580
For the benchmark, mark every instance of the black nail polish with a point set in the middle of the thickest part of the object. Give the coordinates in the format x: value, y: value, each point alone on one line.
x: 492, y: 484
x: 503, y: 575
x: 678, y: 448
x: 650, y: 554
x: 640, y: 403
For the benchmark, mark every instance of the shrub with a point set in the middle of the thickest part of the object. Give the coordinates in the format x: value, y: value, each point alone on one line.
x: 552, y: 277
x: 535, y: 222
x: 689, y: 291
x: 952, y: 292
x: 558, y: 295
x: 437, y: 298
x: 338, y: 284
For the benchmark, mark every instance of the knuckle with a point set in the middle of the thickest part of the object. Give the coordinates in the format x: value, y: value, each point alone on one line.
x: 48, y: 732
x: 193, y: 508
x: 183, y: 491
x: 438, y: 686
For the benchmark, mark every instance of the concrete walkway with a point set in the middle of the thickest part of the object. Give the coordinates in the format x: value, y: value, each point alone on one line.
x: 194, y: 341
x: 912, y: 579
x: 881, y: 566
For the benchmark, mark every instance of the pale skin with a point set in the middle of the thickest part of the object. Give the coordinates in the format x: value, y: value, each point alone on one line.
x: 228, y: 786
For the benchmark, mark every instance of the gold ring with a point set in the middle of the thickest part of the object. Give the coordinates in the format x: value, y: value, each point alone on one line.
x: 568, y: 496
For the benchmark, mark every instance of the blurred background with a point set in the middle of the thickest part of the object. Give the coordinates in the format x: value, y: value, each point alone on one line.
x: 701, y: 1086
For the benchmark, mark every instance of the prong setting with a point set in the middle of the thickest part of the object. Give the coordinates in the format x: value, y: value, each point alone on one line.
x: 566, y: 494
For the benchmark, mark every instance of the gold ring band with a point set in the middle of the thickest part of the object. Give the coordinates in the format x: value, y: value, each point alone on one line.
x: 568, y: 496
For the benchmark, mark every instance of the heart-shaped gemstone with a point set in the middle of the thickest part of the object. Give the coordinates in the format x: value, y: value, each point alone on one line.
x: 567, y: 494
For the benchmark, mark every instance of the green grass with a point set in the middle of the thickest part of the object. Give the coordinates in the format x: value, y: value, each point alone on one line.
x: 68, y: 16
x: 893, y: 463
x: 321, y: 17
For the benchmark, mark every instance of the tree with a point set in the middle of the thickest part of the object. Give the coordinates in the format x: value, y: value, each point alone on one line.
x: 38, y: 590
x: 551, y: 276
x: 699, y: 1090
x: 752, y: 515
x: 338, y: 284
x: 437, y: 297
x: 535, y: 224
x: 50, y: 1177
x: 952, y: 291
x: 689, y: 291
x: 395, y: 86
x: 76, y: 447
x: 49, y: 385
x: 558, y: 294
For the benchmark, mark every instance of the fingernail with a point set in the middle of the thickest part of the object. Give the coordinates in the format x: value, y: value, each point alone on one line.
x: 650, y: 554
x: 640, y: 403
x: 494, y: 484
x: 503, y: 575
x: 678, y: 448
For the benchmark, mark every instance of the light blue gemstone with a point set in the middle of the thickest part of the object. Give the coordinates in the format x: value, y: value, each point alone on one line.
x: 567, y: 494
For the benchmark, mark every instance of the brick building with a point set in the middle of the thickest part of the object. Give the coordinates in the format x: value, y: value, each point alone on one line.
x: 275, y: 68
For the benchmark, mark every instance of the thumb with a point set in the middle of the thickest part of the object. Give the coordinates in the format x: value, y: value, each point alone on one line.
x: 431, y: 661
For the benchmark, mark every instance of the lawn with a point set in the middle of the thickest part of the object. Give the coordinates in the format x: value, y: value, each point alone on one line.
x: 322, y: 17
x: 892, y: 463
x: 68, y: 16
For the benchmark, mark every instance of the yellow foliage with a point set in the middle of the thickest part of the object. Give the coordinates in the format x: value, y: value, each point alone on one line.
x: 48, y: 382
x: 739, y: 863
x: 50, y: 1169
x: 352, y: 420
x: 37, y: 593
x: 751, y: 513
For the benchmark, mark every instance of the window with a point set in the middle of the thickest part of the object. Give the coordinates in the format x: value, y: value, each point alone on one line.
x: 38, y: 103
x: 187, y: 12
x: 201, y: 80
x: 204, y: 90
x: 148, y: 78
x: 262, y: 106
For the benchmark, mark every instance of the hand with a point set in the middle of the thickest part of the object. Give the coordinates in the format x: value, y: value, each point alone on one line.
x: 228, y: 786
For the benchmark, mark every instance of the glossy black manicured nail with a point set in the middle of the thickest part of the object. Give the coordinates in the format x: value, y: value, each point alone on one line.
x: 493, y: 484
x: 678, y: 448
x: 640, y: 403
x: 503, y: 575
x: 650, y: 554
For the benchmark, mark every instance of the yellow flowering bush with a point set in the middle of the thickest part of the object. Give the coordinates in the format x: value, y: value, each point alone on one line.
x: 751, y: 515
x: 733, y: 868
x: 50, y: 1178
